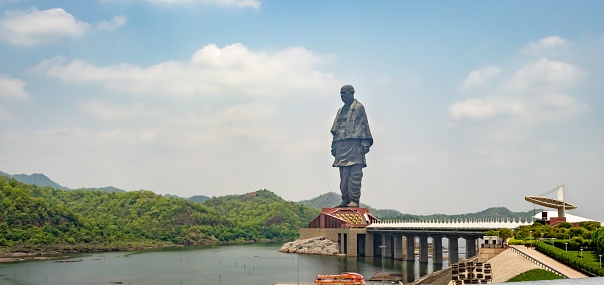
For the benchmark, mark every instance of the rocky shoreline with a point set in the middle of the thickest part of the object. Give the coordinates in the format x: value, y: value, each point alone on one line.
x: 57, y: 252
x: 316, y: 246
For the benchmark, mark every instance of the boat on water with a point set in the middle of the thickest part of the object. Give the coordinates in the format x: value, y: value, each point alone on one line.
x: 345, y: 278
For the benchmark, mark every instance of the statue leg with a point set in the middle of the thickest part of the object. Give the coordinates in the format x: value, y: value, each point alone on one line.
x: 344, y: 174
x: 354, y: 183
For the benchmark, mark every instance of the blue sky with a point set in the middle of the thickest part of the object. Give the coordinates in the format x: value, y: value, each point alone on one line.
x: 472, y: 104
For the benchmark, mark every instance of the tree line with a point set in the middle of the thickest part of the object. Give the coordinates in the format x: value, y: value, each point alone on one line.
x: 34, y: 216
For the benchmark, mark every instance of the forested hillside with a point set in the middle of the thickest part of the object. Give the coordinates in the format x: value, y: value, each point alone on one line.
x: 32, y: 215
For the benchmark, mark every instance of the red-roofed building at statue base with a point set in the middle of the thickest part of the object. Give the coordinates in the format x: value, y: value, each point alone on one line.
x: 347, y: 227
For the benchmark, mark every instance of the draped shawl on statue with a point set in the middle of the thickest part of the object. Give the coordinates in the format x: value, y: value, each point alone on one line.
x: 357, y: 126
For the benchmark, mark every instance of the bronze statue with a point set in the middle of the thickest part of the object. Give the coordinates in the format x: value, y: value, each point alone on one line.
x: 351, y: 141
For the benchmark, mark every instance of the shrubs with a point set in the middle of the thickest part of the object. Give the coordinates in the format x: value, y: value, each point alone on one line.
x: 569, y: 259
x: 513, y: 241
x: 535, y: 275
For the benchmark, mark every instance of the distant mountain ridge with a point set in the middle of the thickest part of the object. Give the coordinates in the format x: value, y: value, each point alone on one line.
x: 42, y: 180
x: 332, y: 199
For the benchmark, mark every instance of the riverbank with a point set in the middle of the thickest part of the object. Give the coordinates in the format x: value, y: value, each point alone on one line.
x: 58, y: 251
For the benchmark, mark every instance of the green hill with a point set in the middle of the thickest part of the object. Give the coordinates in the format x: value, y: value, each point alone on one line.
x: 32, y: 217
x: 327, y: 200
x: 199, y: 198
x: 37, y: 179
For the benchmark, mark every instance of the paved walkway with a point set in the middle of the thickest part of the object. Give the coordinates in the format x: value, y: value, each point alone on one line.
x: 571, y: 273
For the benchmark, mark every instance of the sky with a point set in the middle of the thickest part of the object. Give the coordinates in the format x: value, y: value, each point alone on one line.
x: 472, y: 104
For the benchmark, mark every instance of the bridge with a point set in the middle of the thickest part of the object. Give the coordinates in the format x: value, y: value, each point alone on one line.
x: 398, y: 238
x: 358, y: 233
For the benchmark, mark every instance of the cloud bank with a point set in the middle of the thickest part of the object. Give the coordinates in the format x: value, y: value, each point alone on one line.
x: 37, y: 27
x: 233, y: 69
x: 227, y: 3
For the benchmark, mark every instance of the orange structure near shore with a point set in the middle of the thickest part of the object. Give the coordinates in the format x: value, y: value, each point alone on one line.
x: 346, y: 278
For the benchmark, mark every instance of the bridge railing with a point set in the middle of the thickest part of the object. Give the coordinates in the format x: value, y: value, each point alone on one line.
x: 468, y: 224
x: 539, y: 263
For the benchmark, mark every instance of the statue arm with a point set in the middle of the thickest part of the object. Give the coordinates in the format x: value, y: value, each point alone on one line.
x: 365, y: 145
x: 333, y: 148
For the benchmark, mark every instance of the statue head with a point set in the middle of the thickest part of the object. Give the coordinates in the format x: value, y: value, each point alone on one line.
x: 347, y: 94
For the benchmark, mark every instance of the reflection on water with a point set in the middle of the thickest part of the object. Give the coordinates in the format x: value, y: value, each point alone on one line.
x: 256, y: 264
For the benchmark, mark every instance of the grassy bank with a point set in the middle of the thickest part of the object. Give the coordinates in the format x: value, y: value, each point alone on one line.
x: 534, y: 275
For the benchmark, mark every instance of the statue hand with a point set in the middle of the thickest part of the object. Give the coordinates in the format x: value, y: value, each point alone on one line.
x: 364, y: 149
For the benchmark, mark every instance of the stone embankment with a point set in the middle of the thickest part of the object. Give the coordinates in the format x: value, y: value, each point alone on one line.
x: 316, y: 245
x: 505, y: 265
x: 509, y: 264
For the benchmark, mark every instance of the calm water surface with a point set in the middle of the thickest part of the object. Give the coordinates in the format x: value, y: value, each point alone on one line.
x: 257, y: 264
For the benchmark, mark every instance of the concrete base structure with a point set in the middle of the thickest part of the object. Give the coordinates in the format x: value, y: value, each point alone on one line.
x: 409, y: 248
x: 354, y: 242
x: 470, y: 246
x: 423, y: 248
x: 351, y: 241
x: 453, y: 249
x: 398, y: 247
x: 437, y: 250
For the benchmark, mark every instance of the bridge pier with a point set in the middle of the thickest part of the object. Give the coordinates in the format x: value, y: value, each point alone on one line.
x: 409, y: 247
x: 398, y: 247
x: 453, y: 249
x: 423, y: 248
x: 437, y: 250
x: 470, y: 246
x: 387, y: 241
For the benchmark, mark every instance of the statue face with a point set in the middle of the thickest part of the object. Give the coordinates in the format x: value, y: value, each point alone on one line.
x: 347, y: 96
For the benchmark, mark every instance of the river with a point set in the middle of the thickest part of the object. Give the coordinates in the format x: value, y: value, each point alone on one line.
x: 250, y: 264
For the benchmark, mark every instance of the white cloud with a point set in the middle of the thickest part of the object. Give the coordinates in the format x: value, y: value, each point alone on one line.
x: 236, y: 3
x: 546, y: 73
x: 480, y: 77
x: 479, y: 109
x: 233, y: 69
x: 112, y: 112
x: 552, y: 43
x: 36, y: 27
x: 472, y: 109
x: 113, y: 24
x: 536, y: 94
x: 12, y: 88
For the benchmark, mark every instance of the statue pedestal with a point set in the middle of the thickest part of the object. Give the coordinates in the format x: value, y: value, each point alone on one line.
x: 346, y: 226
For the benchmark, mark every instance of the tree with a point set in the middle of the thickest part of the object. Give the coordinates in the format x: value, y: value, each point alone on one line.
x: 505, y: 233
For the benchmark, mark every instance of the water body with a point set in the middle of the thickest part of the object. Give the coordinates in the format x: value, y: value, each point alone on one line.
x: 255, y: 264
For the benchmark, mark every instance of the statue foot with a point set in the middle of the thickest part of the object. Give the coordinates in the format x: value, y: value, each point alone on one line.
x: 353, y: 205
x: 344, y: 204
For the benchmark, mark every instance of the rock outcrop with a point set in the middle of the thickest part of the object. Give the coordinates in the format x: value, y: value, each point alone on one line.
x: 317, y: 245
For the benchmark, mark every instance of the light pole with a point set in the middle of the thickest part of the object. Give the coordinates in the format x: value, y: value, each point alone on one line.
x: 566, y: 247
x: 531, y: 232
x: 600, y: 261
x: 581, y: 250
x: 383, y: 247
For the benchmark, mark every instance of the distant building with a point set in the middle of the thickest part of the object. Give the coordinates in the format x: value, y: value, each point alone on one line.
x: 554, y: 217
x: 551, y: 218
